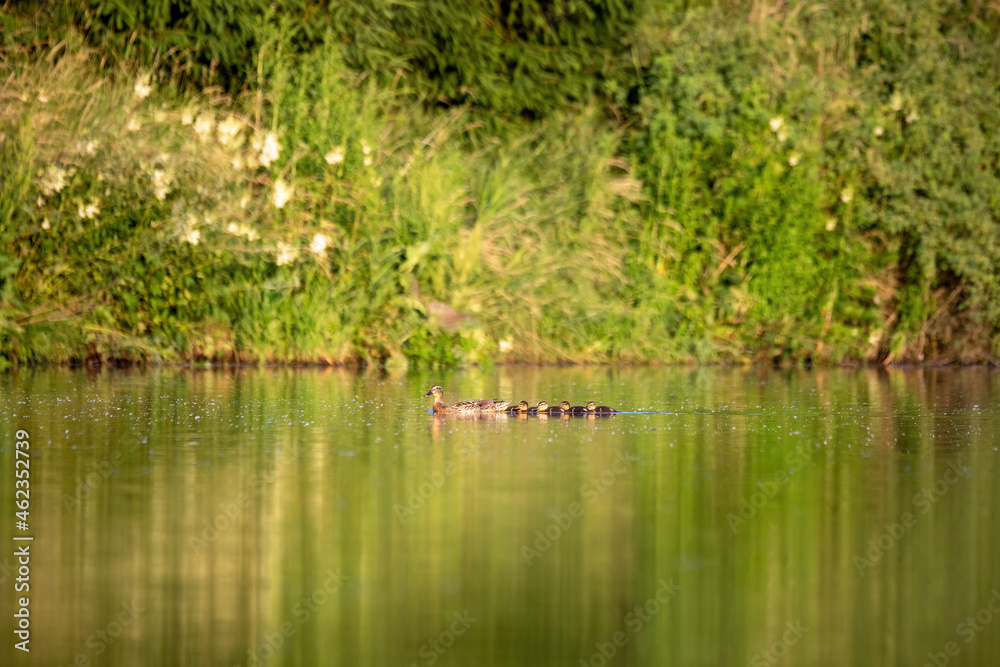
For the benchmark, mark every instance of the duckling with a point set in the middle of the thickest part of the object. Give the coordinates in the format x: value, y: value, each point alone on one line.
x: 574, y: 410
x: 564, y: 407
x: 544, y: 408
x: 481, y: 405
x: 520, y: 408
x: 600, y: 409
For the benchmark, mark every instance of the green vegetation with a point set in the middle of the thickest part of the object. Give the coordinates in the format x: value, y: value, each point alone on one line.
x: 545, y: 181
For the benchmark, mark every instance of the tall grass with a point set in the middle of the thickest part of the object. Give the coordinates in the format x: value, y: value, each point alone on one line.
x: 313, y: 218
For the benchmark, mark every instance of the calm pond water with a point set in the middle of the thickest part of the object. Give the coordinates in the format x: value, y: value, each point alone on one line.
x: 321, y: 517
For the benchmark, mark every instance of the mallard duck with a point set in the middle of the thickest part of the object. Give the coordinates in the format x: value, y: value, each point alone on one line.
x: 600, y: 409
x: 520, y: 408
x: 481, y: 405
x: 544, y: 409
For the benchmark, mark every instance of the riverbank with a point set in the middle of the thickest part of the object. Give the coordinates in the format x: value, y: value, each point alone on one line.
x: 790, y: 189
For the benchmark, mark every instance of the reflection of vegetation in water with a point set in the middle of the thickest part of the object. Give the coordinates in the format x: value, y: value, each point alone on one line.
x: 267, y: 504
x: 786, y: 187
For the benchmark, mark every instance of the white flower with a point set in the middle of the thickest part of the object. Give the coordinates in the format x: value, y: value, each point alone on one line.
x: 335, y: 156
x: 831, y: 224
x: 86, y: 148
x: 45, y: 223
x: 318, y: 245
x: 142, y: 88
x: 268, y: 148
x: 846, y: 195
x: 365, y: 148
x: 368, y: 162
x: 52, y: 180
x: 187, y: 117
x: 203, y: 126
x: 237, y: 162
x: 89, y: 211
x: 776, y: 123
x: 43, y: 98
x: 782, y: 136
x: 896, y: 101
x: 161, y: 184
x: 912, y: 116
x: 228, y: 130
x: 132, y: 124
x: 269, y: 153
x: 241, y: 230
x: 793, y: 159
x: 286, y: 254
x: 282, y: 193
x: 505, y: 346
x: 244, y: 200
x: 189, y: 233
x: 879, y: 131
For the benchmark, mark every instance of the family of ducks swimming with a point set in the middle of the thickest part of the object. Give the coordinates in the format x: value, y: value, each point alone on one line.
x: 522, y: 408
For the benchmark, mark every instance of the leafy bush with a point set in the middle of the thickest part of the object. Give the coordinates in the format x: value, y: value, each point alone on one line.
x: 509, y: 58
x: 505, y: 57
x: 821, y: 192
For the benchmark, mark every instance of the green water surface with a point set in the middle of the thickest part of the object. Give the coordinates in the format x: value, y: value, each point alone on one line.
x: 322, y: 517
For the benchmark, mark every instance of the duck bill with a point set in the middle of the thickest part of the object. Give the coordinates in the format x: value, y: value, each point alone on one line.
x: 430, y: 393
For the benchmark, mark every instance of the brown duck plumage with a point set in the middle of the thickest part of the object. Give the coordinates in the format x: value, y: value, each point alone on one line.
x: 480, y: 405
